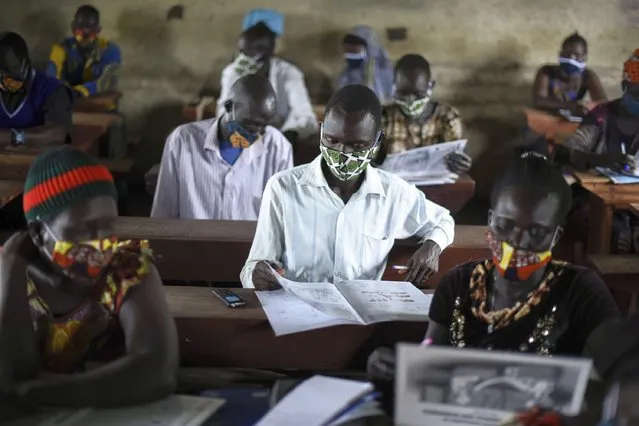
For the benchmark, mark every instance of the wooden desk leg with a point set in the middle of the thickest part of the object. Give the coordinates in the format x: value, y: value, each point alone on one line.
x: 600, y: 226
x: 633, y: 305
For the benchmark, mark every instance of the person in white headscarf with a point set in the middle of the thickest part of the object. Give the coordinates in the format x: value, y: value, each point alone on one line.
x: 367, y: 63
x: 261, y: 27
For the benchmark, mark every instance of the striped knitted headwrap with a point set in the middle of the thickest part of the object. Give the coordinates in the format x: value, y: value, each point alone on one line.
x: 631, y: 68
x: 61, y: 177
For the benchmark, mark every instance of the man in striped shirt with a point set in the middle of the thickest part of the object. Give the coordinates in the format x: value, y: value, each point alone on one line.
x: 218, y: 168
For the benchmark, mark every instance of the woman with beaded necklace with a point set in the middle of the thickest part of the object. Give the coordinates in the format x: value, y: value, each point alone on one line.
x: 520, y: 299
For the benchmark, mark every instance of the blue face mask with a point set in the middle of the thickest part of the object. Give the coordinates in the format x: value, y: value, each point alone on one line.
x: 355, y: 60
x: 571, y: 66
x: 630, y: 103
x: 239, y: 137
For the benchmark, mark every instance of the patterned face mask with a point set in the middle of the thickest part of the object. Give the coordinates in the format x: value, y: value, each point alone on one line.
x: 10, y: 84
x: 347, y: 166
x: 414, y: 109
x: 417, y: 107
x: 245, y: 65
x: 239, y: 136
x: 86, y: 259
x: 513, y: 264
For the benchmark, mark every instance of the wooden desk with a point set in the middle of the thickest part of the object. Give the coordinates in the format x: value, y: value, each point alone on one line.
x: 9, y: 189
x: 15, y: 162
x: 453, y: 196
x: 216, y: 250
x: 102, y: 102
x: 634, y: 207
x: 102, y: 120
x: 554, y: 128
x: 212, y: 335
x: 606, y: 197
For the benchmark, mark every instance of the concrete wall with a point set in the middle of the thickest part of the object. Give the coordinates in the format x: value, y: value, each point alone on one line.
x: 484, y: 53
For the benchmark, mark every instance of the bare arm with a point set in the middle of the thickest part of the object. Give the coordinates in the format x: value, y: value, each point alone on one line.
x: 148, y: 370
x: 541, y: 96
x: 437, y: 334
x: 18, y: 342
x: 593, y: 84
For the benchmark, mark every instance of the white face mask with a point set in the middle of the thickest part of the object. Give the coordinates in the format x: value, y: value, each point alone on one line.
x: 245, y: 65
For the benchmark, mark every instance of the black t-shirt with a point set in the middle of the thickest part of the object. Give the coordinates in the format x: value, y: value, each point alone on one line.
x: 560, y: 324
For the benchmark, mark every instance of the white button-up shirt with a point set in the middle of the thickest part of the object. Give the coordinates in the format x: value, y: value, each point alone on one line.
x: 308, y: 230
x: 195, y: 182
x: 294, y: 109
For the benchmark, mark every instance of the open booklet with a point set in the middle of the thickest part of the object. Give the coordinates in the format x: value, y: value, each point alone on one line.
x: 307, y: 306
x: 426, y: 165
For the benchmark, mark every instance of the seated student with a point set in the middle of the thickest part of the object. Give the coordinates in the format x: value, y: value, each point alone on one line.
x: 521, y: 299
x: 218, y: 168
x: 86, y: 62
x: 36, y: 109
x: 336, y: 218
x: 68, y: 287
x: 414, y: 120
x: 295, y: 116
x: 609, y: 137
x: 367, y: 63
x: 564, y: 86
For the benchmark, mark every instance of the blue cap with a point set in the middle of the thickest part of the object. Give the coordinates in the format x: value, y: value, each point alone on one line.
x: 273, y: 19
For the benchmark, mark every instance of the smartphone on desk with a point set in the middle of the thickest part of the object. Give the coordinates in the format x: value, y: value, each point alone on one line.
x: 228, y: 297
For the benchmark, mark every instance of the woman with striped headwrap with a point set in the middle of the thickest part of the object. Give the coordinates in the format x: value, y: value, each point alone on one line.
x: 68, y: 285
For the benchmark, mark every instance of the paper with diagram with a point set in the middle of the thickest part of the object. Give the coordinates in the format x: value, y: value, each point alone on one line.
x: 306, y: 306
x: 426, y: 165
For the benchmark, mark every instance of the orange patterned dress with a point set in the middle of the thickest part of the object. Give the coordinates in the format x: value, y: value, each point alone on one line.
x: 70, y: 340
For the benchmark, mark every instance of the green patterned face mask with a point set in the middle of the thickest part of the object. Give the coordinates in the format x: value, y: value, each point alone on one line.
x: 414, y: 109
x: 347, y: 166
x: 245, y: 65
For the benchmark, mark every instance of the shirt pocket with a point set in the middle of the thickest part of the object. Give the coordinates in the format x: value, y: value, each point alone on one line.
x: 377, y: 241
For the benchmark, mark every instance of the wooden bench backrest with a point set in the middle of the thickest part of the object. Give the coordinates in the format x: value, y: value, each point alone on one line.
x: 212, y: 250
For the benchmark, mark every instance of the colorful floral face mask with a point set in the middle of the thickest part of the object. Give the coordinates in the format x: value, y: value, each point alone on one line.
x: 245, y: 65
x: 513, y: 264
x: 86, y: 259
x: 240, y: 137
x: 9, y: 84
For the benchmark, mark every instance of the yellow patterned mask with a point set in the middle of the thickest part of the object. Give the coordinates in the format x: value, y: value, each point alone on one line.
x: 83, y: 259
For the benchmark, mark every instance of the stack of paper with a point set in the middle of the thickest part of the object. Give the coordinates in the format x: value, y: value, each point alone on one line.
x: 618, y: 178
x: 321, y: 401
x: 175, y: 410
x: 426, y: 165
x: 307, y: 306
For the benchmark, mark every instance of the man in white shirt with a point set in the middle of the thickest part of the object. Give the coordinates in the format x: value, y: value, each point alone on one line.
x: 218, y: 168
x: 295, y: 116
x: 337, y: 218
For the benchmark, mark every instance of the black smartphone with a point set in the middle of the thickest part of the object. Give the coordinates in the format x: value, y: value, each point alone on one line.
x: 228, y: 297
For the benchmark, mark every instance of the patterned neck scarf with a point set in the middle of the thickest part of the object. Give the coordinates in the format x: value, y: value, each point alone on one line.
x: 504, y: 317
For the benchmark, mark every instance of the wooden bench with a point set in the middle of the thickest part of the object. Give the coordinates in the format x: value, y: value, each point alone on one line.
x: 212, y: 335
x: 102, y: 102
x: 118, y: 167
x: 216, y: 250
x: 621, y: 274
x: 151, y: 179
x: 9, y: 189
